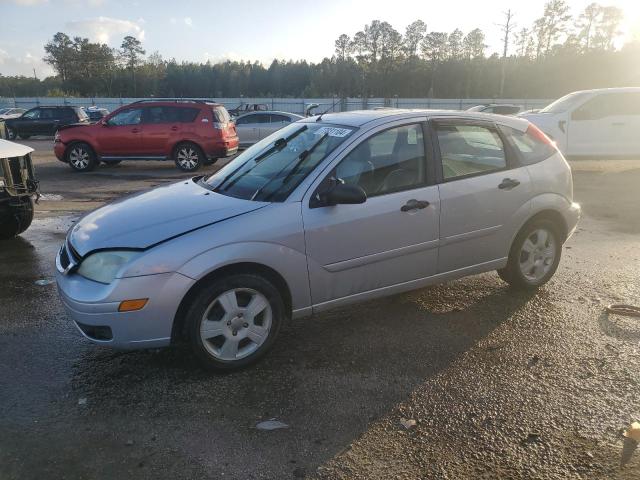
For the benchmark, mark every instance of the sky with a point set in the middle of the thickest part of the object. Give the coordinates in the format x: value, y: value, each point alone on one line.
x: 201, y: 30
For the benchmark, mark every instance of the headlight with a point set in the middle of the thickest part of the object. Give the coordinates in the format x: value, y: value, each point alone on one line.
x: 103, y: 266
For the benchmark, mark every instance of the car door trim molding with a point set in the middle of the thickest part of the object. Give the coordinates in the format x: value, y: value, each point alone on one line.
x: 461, y: 237
x: 380, y: 256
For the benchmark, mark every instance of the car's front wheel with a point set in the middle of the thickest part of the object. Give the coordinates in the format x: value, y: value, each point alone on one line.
x: 234, y: 320
x: 534, y: 256
x: 81, y: 157
x: 189, y: 157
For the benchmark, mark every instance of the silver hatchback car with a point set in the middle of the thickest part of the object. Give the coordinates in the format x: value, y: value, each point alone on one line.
x: 330, y: 210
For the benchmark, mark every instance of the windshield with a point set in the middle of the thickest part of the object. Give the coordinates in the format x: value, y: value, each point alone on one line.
x: 564, y: 103
x: 4, y: 110
x: 272, y: 168
x: 477, y: 108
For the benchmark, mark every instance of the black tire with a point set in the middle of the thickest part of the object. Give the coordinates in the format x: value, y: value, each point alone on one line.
x: 15, y: 219
x: 81, y: 157
x: 519, y: 256
x: 206, y: 300
x: 12, y: 133
x: 25, y: 137
x: 188, y: 157
x: 111, y: 163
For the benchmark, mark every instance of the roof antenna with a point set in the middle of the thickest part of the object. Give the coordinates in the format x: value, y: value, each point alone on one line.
x: 327, y: 110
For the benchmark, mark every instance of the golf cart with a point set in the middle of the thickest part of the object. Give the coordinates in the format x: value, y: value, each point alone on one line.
x: 18, y: 186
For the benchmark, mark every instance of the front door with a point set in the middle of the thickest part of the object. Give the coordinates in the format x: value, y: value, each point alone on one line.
x: 121, y: 134
x: 481, y: 193
x: 391, y: 238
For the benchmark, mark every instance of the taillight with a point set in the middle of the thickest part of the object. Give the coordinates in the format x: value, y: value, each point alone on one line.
x: 539, y: 135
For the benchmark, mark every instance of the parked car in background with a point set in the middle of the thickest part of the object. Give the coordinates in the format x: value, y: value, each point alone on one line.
x: 44, y: 121
x: 96, y: 113
x: 253, y: 127
x: 190, y: 132
x: 500, y: 109
x: 18, y: 186
x: 600, y: 123
x: 248, y: 107
x: 325, y: 212
x: 7, y: 113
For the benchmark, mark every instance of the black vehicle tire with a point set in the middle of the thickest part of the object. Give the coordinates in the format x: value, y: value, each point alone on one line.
x: 188, y: 157
x: 25, y: 137
x: 256, y: 327
x: 534, y: 255
x: 81, y: 157
x: 15, y: 219
x: 111, y: 163
x: 12, y: 133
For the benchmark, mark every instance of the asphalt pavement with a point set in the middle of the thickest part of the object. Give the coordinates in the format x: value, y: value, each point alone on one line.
x: 468, y: 379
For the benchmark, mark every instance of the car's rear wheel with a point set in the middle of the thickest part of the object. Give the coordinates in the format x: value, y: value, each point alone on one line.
x: 81, y: 157
x: 25, y: 137
x: 189, y: 157
x: 15, y: 218
x: 534, y: 256
x: 234, y: 320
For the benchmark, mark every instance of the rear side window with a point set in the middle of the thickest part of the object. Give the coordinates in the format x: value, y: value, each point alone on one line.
x: 468, y: 150
x: 530, y: 148
x: 220, y: 114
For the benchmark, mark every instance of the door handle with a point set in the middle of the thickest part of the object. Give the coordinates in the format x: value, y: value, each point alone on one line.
x: 135, y: 130
x: 174, y: 129
x: 508, y: 184
x: 414, y: 204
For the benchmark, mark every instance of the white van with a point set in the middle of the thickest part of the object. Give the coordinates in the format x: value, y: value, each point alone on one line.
x: 602, y: 122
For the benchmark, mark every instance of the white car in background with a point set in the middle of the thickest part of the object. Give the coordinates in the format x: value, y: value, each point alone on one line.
x: 253, y: 127
x: 602, y: 122
x: 7, y: 113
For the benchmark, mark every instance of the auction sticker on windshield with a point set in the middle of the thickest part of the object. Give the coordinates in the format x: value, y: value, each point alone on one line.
x: 333, y: 131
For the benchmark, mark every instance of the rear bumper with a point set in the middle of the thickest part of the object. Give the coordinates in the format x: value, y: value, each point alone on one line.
x: 221, y: 148
x: 572, y: 217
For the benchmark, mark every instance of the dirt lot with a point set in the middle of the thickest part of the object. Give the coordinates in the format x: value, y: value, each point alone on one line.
x: 500, y: 384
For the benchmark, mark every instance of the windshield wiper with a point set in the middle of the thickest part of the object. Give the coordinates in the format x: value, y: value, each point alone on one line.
x: 278, y: 145
x: 301, y: 158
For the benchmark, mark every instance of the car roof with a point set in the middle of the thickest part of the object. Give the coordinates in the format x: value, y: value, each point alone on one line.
x: 173, y: 103
x: 278, y: 112
x: 10, y: 149
x: 610, y: 90
x: 360, y: 118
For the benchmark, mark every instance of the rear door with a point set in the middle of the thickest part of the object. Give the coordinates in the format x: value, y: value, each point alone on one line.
x: 160, y: 124
x: 121, y: 135
x: 248, y: 128
x: 483, y: 191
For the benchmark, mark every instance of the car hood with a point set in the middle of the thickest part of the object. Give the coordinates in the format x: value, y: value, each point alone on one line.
x: 75, y: 125
x: 151, y: 217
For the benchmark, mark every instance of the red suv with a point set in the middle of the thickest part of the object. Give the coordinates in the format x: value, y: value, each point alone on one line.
x: 191, y: 132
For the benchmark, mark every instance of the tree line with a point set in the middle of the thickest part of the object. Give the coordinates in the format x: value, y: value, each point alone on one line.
x: 556, y: 54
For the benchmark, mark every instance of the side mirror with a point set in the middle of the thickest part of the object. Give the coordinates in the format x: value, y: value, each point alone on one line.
x: 344, y: 194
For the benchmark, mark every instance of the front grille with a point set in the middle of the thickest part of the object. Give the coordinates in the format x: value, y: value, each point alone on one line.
x: 64, y: 258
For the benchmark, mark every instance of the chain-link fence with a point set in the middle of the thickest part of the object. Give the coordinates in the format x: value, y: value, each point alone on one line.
x: 292, y: 105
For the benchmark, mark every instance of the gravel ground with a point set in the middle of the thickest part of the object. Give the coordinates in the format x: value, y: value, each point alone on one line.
x: 499, y: 384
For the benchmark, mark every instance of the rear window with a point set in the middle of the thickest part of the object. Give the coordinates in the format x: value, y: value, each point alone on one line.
x: 220, y: 114
x: 530, y: 148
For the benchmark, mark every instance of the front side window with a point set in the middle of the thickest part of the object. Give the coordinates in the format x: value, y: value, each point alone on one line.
x: 247, y: 120
x: 272, y: 168
x: 469, y: 150
x: 389, y: 161
x: 32, y: 114
x: 131, y: 116
x: 279, y: 119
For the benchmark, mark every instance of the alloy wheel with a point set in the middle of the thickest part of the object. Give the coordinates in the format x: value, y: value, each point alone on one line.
x: 537, y: 255
x: 79, y: 158
x: 188, y: 158
x: 236, y: 324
